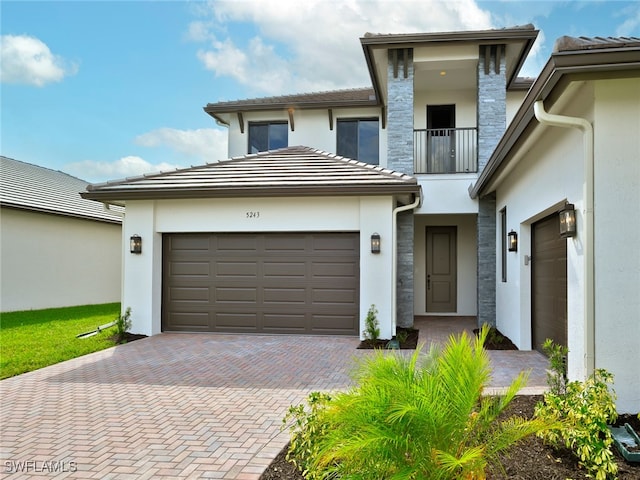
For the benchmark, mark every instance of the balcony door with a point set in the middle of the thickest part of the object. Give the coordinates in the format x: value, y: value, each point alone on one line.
x: 441, y: 141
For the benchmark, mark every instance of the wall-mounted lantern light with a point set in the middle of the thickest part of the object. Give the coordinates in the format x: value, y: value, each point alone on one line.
x: 513, y: 241
x: 136, y: 244
x: 568, y: 221
x: 375, y: 243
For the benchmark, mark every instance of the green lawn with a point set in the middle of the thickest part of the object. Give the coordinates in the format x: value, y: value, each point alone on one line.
x: 33, y: 339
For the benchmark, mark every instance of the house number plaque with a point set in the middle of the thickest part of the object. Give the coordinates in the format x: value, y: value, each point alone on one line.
x: 253, y: 215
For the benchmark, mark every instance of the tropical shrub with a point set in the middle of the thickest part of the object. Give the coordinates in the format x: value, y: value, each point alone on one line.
x: 306, y: 428
x: 371, y: 325
x: 418, y: 416
x: 583, y: 409
x: 123, y: 324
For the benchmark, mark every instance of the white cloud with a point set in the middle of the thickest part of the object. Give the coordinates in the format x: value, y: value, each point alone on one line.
x: 28, y: 60
x: 314, y: 45
x: 129, y: 166
x: 632, y: 22
x: 203, y: 144
x: 183, y: 147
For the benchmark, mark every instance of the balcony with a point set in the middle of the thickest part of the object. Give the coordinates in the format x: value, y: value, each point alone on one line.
x: 445, y: 150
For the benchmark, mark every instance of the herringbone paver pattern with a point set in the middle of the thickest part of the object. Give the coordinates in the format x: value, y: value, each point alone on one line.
x: 169, y: 406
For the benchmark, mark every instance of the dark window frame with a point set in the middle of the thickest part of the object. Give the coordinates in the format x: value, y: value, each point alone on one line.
x: 358, y: 145
x: 269, y: 139
x: 503, y: 242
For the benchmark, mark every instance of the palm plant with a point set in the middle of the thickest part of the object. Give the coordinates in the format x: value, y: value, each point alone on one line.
x: 419, y: 417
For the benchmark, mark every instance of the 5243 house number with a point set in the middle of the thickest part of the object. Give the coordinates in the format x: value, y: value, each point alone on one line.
x: 253, y: 215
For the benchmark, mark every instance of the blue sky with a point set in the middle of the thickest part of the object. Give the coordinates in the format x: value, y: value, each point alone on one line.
x: 104, y: 90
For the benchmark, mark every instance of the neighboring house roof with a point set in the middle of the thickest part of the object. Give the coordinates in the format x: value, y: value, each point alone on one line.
x: 573, y: 58
x: 293, y: 171
x: 31, y: 187
x: 518, y: 41
x: 355, y: 97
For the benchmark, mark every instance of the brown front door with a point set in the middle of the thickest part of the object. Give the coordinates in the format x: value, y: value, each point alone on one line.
x: 441, y: 269
x: 549, y: 283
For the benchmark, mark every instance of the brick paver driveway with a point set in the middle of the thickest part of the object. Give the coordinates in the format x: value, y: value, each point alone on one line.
x: 173, y: 405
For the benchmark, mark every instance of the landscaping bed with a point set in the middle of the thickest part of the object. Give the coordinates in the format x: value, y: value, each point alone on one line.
x: 530, y: 459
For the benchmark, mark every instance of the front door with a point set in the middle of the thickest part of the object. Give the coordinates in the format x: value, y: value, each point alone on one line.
x: 441, y: 269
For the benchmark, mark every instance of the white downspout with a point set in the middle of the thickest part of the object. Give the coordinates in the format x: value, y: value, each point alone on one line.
x: 394, y: 268
x: 589, y: 280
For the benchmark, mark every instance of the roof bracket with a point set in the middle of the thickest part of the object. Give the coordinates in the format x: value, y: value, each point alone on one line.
x: 241, y: 122
x: 293, y: 127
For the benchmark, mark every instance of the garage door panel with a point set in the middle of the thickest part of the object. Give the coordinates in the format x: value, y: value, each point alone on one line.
x: 189, y: 269
x: 335, y: 244
x: 235, y: 243
x: 193, y: 321
x: 333, y: 324
x: 284, y: 322
x: 284, y: 270
x: 236, y: 295
x: 279, y: 244
x: 290, y: 296
x: 236, y: 269
x: 334, y: 296
x: 270, y: 283
x: 236, y: 321
x: 331, y: 269
x: 189, y: 294
x: 189, y: 243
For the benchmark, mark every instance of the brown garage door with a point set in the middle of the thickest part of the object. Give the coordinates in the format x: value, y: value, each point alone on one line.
x: 305, y: 283
x: 549, y: 283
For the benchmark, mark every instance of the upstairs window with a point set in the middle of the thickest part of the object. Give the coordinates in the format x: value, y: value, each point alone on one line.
x: 359, y: 139
x: 265, y: 136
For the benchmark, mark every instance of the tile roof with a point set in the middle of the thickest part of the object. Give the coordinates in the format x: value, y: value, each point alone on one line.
x: 567, y: 43
x: 31, y: 187
x: 292, y: 171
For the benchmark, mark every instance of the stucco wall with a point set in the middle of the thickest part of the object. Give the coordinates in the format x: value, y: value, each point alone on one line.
x: 552, y: 171
x: 617, y: 256
x: 149, y: 219
x: 56, y: 261
x: 546, y: 176
x: 311, y: 129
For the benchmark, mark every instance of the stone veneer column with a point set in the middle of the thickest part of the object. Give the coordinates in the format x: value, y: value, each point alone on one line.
x: 400, y: 158
x: 492, y: 119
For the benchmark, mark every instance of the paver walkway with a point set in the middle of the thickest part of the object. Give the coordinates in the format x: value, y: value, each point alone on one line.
x: 174, y: 405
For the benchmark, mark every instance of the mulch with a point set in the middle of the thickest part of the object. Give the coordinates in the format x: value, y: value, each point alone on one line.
x: 530, y: 459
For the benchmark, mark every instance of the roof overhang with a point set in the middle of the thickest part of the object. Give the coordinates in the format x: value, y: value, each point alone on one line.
x: 562, y: 69
x: 289, y: 172
x: 518, y: 41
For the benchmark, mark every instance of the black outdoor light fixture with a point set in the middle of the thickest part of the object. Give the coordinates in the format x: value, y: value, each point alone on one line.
x: 567, y: 221
x: 375, y: 243
x: 513, y: 241
x: 136, y: 244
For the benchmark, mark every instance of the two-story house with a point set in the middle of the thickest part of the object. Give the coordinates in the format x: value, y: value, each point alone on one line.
x: 402, y: 196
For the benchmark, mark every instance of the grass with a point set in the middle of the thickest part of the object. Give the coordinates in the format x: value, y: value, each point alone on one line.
x: 33, y: 339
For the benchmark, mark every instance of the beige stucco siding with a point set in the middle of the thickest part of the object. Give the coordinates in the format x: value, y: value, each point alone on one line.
x: 57, y: 261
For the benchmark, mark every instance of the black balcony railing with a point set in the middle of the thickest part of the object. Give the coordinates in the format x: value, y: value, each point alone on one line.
x: 445, y: 150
